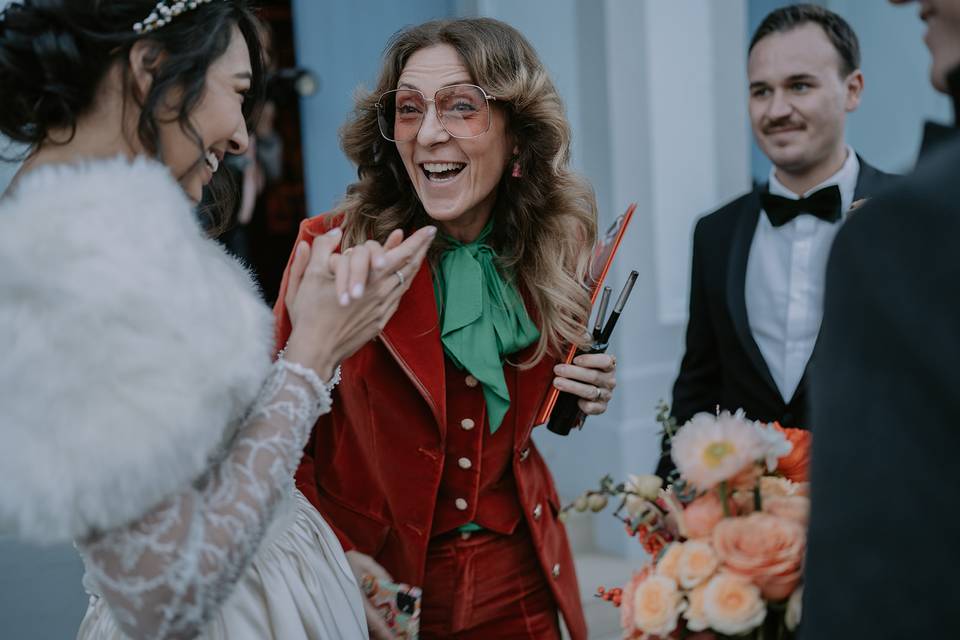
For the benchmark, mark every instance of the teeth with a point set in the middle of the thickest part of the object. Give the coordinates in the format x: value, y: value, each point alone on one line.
x: 212, y: 161
x: 440, y: 167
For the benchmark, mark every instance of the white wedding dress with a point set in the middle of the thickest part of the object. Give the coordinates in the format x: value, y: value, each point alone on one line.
x: 142, y: 418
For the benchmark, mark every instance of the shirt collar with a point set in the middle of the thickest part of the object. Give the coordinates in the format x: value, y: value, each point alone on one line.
x: 845, y: 178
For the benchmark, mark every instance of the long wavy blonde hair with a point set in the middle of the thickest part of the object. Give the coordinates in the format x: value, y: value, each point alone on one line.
x: 544, y: 223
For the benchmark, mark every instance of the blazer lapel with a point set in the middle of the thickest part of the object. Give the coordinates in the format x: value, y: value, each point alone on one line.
x: 413, y: 338
x: 736, y: 284
x: 869, y: 181
x: 532, y: 386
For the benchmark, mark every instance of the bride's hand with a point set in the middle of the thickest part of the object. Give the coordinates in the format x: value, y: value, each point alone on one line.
x: 324, y: 332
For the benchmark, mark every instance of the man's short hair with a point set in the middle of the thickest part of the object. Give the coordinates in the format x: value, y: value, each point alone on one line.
x: 838, y: 31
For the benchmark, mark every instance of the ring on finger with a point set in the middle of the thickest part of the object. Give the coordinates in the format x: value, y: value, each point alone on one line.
x: 599, y: 393
x: 400, y: 277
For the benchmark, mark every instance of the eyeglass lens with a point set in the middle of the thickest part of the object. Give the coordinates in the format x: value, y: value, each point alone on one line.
x: 463, y: 111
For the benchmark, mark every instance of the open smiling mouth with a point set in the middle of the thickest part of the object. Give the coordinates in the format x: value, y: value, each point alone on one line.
x: 442, y: 171
x: 212, y: 161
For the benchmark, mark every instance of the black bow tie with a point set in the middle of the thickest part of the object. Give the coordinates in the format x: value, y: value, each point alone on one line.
x: 825, y: 204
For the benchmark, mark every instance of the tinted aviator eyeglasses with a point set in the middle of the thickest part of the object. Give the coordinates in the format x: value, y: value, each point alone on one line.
x: 463, y: 111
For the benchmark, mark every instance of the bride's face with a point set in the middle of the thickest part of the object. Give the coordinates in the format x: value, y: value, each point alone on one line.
x: 218, y: 120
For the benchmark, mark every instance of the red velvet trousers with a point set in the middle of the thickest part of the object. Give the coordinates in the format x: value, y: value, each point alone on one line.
x: 486, y: 585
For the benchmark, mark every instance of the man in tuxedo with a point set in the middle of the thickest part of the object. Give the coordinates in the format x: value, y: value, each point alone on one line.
x: 884, y: 539
x: 756, y: 294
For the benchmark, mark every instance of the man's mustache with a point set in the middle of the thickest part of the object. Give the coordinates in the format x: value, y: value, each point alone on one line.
x: 781, y: 125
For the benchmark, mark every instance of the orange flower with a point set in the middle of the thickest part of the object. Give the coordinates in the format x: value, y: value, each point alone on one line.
x: 764, y: 548
x: 796, y: 465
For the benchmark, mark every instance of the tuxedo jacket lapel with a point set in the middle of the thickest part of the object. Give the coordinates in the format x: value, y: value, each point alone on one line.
x: 736, y: 285
x: 869, y: 181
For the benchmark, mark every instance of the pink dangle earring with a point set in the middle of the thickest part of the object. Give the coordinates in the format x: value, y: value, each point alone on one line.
x: 516, y: 173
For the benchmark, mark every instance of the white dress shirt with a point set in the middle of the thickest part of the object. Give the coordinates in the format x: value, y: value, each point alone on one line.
x: 786, y: 273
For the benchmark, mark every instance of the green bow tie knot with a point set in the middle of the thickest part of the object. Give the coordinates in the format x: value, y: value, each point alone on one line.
x: 483, y: 319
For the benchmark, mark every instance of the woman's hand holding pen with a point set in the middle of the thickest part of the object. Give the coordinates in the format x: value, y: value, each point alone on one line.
x: 592, y: 378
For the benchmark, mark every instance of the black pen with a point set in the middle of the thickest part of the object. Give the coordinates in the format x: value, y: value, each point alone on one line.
x: 618, y: 308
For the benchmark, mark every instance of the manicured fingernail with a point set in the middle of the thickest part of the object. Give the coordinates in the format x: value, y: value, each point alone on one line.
x: 344, y: 300
x: 301, y: 246
x: 431, y: 231
x: 334, y: 232
x: 357, y: 290
x: 378, y: 262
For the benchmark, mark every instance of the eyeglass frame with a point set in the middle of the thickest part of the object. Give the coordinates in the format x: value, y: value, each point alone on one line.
x: 486, y: 96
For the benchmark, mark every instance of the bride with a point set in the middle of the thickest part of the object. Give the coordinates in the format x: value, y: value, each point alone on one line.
x: 141, y: 415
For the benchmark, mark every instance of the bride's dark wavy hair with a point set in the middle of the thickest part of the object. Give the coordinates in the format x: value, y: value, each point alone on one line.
x: 544, y: 224
x: 54, y: 55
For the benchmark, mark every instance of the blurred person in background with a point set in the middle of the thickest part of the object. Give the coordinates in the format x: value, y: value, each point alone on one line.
x: 882, y: 548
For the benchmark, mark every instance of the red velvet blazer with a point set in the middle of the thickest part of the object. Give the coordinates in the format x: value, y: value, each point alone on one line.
x: 374, y: 463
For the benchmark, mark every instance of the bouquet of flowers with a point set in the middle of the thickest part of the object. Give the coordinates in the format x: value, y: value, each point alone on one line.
x: 726, y: 537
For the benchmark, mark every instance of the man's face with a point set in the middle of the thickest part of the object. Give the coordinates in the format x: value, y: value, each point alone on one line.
x: 798, y: 98
x: 942, y: 37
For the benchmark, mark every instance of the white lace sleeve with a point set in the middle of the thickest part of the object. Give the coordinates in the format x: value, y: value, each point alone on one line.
x: 165, y: 574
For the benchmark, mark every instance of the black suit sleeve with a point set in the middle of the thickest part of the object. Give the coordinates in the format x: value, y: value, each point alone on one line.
x: 697, y: 387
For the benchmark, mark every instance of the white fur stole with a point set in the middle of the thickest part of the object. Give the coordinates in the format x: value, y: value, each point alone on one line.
x: 130, y: 345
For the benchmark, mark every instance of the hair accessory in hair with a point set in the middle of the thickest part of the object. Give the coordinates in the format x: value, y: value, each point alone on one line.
x: 164, y: 13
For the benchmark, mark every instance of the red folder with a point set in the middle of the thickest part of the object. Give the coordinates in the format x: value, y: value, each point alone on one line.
x: 603, y: 254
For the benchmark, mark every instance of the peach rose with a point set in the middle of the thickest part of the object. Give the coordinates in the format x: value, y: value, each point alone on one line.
x: 657, y: 604
x: 697, y: 563
x: 796, y: 508
x: 732, y: 604
x: 669, y: 562
x: 626, y: 606
x: 764, y: 548
x: 695, y: 616
x: 747, y: 478
x: 702, y: 515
